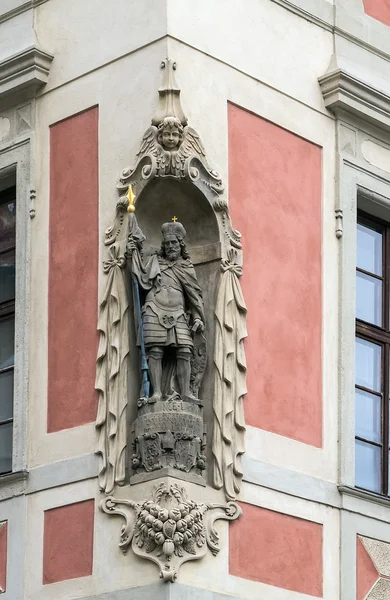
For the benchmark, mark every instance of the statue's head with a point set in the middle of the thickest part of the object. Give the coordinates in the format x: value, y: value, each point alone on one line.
x: 170, y: 133
x: 173, y: 245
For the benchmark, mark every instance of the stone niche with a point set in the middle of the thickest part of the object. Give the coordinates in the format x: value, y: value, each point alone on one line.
x: 171, y: 365
x: 160, y: 202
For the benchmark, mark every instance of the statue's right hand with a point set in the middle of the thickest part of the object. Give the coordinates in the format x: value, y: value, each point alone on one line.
x: 130, y: 247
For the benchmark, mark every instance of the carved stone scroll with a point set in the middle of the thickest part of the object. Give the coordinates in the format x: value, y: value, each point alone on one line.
x: 229, y: 379
x: 168, y: 528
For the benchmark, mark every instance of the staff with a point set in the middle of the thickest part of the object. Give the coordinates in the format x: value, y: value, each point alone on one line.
x: 133, y: 226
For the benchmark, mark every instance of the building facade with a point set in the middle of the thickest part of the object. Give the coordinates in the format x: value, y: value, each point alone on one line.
x: 283, y: 106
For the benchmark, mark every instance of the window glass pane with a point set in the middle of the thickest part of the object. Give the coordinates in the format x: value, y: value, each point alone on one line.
x: 369, y: 249
x: 7, y: 224
x: 368, y: 298
x: 367, y: 466
x: 7, y: 343
x: 368, y: 416
x: 368, y: 365
x: 6, y: 448
x: 6, y: 395
x: 7, y: 276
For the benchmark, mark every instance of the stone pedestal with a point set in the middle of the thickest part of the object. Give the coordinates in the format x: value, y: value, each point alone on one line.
x: 169, y: 435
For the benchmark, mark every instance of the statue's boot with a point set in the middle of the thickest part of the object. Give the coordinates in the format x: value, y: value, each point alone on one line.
x: 183, y: 373
x: 155, y: 373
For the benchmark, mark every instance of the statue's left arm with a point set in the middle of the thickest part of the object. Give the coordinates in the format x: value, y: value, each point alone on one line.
x: 193, y: 293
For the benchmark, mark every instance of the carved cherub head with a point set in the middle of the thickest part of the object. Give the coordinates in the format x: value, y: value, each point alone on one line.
x: 173, y: 245
x: 170, y: 133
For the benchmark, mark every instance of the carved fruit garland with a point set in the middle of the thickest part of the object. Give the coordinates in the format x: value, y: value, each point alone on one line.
x: 168, y: 534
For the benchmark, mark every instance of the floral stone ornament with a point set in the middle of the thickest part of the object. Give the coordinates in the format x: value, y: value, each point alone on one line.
x: 168, y: 528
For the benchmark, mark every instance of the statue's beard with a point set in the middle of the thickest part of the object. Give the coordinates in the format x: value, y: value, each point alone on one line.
x: 172, y: 254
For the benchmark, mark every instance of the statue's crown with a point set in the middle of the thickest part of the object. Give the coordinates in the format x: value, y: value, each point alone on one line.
x: 174, y: 228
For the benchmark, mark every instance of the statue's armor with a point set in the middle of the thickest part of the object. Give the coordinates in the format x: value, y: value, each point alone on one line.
x: 165, y: 322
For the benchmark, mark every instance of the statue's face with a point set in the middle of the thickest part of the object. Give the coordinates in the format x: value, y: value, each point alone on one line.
x: 170, y: 138
x: 172, y: 247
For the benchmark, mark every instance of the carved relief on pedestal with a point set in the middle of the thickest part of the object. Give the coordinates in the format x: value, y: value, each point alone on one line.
x: 173, y: 306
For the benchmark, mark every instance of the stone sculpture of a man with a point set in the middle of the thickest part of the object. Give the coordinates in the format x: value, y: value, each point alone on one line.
x: 171, y: 314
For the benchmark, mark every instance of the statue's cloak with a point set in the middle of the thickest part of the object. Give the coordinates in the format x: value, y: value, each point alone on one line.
x: 149, y: 275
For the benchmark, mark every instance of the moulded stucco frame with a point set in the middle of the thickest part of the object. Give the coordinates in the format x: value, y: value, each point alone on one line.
x: 356, y: 180
x: 14, y: 512
x: 155, y: 590
x: 18, y: 159
x: 353, y: 525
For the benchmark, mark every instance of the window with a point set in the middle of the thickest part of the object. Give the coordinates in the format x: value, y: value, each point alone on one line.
x: 7, y: 323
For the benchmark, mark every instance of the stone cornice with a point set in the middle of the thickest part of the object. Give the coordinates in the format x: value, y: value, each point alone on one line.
x: 28, y: 5
x: 344, y: 93
x: 24, y: 72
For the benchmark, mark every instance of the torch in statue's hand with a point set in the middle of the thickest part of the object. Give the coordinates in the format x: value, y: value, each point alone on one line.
x: 130, y: 247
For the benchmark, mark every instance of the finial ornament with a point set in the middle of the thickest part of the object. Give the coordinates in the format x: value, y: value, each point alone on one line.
x: 174, y: 219
x: 169, y: 103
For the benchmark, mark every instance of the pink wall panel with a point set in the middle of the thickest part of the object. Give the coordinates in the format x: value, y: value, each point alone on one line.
x: 68, y: 542
x: 277, y: 549
x: 3, y: 556
x: 275, y: 200
x: 73, y: 267
x: 378, y: 9
x: 366, y: 573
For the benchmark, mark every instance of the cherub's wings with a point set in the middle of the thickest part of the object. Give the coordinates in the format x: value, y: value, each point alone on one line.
x: 149, y: 144
x: 176, y: 161
x: 191, y: 143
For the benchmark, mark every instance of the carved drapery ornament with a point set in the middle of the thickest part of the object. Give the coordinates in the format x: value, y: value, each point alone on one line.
x: 168, y: 528
x: 229, y: 380
x: 112, y: 372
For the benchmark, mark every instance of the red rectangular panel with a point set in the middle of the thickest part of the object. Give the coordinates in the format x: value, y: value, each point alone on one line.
x: 68, y: 542
x: 73, y: 271
x: 277, y: 549
x: 275, y: 201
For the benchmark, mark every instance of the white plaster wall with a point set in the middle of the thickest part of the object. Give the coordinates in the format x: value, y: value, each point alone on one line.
x: 270, y: 43
x: 85, y: 35
x: 264, y: 41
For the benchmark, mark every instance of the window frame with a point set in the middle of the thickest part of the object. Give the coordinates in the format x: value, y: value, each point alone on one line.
x: 358, y: 189
x: 379, y: 335
x: 15, y: 166
x: 7, y: 308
